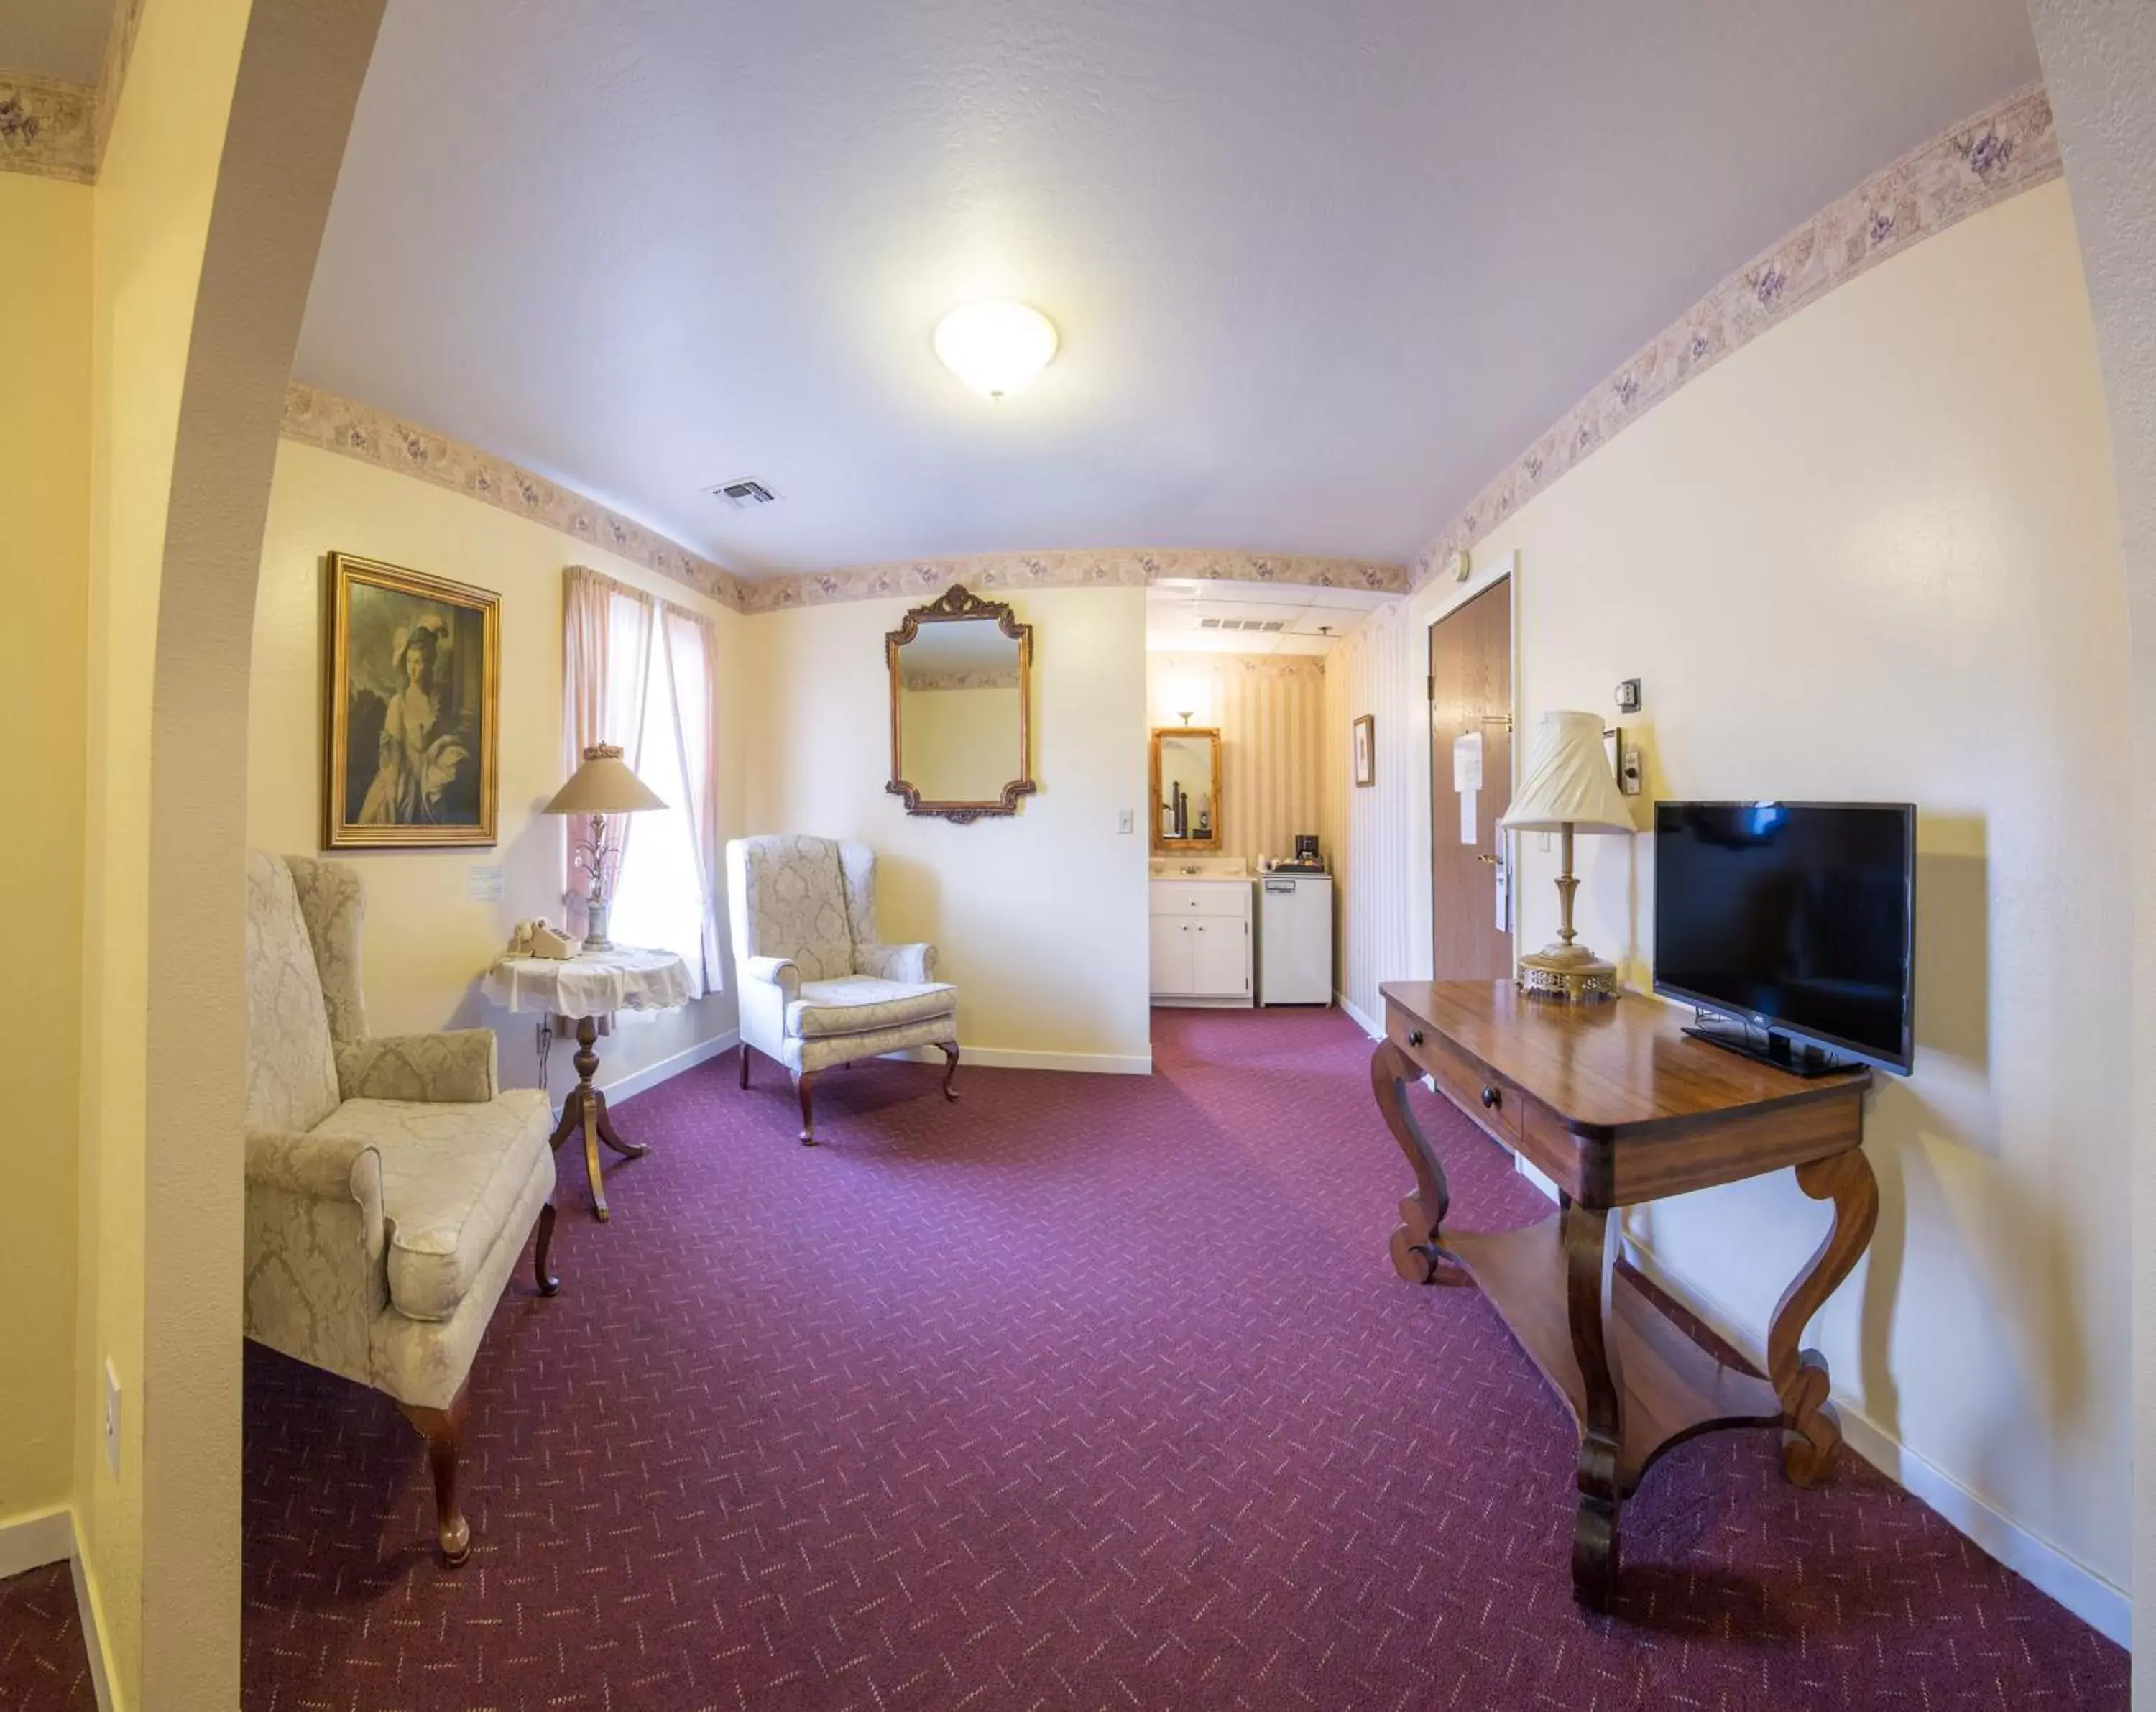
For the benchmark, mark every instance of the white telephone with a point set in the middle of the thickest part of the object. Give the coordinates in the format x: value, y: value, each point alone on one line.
x: 538, y: 938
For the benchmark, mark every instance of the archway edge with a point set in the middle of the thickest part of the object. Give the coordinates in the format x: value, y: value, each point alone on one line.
x: 298, y: 84
x: 2099, y: 59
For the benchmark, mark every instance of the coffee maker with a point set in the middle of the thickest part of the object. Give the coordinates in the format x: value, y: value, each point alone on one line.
x: 1306, y: 860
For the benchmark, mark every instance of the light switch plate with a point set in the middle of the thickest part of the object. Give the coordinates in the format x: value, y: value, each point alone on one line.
x: 111, y: 1418
x: 1126, y: 820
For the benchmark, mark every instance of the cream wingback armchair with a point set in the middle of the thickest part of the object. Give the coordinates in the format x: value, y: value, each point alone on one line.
x: 818, y: 988
x: 390, y: 1184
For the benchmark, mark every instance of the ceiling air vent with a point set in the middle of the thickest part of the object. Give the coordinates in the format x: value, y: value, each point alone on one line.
x: 745, y: 495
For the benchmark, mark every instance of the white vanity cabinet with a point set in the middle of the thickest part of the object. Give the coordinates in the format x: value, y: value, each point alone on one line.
x: 1201, y: 942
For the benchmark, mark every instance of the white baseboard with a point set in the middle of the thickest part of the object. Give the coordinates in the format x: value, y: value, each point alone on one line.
x: 93, y: 1634
x: 32, y: 1541
x: 1011, y: 1058
x: 637, y: 1081
x: 2105, y: 1607
x: 1357, y: 1016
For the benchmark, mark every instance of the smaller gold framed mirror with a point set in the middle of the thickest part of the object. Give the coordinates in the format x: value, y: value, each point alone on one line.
x: 1186, y: 788
x: 961, y: 707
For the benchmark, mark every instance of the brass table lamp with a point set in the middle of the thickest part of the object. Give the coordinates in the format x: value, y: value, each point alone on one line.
x: 602, y: 786
x: 1570, y: 787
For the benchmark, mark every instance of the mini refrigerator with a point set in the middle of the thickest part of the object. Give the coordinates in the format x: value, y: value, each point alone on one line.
x: 1295, y: 938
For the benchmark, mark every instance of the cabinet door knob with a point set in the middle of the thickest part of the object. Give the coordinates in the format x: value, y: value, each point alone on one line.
x: 1414, y: 1037
x: 1490, y: 1097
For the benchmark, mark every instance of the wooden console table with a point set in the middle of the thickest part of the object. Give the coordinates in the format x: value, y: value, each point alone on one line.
x: 1615, y: 1106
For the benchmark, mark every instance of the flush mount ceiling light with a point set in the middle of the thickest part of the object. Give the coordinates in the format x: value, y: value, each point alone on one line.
x: 995, y: 348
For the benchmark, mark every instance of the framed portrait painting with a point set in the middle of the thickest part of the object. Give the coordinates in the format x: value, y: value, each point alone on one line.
x: 1366, y: 750
x: 411, y: 675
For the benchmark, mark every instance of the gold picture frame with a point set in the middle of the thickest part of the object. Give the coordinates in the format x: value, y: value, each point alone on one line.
x: 411, y: 695
x: 959, y: 605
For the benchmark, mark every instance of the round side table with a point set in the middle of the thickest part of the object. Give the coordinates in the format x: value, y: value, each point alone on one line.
x: 588, y: 986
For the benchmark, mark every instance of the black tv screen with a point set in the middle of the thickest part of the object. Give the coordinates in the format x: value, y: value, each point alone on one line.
x: 1796, y: 917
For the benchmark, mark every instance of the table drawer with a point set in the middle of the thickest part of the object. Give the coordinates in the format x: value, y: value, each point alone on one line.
x: 1171, y: 898
x: 1489, y: 1100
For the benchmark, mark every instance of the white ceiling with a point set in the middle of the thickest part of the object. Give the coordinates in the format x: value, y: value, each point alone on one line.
x: 1321, y: 270
x: 62, y: 38
x: 1184, y: 616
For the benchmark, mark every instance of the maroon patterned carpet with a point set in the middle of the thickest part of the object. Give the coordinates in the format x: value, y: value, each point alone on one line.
x: 42, y: 1662
x: 1089, y: 1392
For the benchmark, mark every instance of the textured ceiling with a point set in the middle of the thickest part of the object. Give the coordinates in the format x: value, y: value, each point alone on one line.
x: 1321, y: 270
x: 62, y: 38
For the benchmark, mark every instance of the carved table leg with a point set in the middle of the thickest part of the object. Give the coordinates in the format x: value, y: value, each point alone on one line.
x: 584, y: 1113
x: 548, y: 1283
x: 1422, y: 1213
x: 1811, y: 1429
x: 949, y: 1069
x: 804, y: 1084
x: 1586, y: 1232
x: 445, y: 1430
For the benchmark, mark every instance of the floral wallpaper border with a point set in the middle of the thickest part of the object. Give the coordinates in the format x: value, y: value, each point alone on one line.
x: 315, y: 417
x: 53, y: 129
x: 48, y: 128
x: 2009, y: 148
x: 1106, y: 568
x: 980, y: 678
x: 318, y: 419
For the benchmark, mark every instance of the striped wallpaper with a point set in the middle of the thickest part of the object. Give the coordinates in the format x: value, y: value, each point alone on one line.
x: 1270, y: 711
x: 1378, y: 935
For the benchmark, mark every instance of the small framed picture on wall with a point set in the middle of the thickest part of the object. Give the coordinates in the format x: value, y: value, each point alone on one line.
x: 1366, y: 750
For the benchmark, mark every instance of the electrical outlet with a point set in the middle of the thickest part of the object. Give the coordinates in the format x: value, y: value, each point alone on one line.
x: 1126, y: 820
x: 111, y: 1418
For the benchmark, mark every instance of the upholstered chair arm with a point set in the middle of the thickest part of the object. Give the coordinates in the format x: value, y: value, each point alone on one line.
x: 782, y: 972
x: 457, y: 1064
x: 317, y: 1242
x: 895, y: 963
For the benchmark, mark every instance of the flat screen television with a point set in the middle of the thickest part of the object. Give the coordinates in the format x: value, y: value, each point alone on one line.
x: 1796, y: 918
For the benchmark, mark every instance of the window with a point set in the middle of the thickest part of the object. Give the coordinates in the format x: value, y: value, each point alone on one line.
x: 638, y: 672
x: 663, y: 895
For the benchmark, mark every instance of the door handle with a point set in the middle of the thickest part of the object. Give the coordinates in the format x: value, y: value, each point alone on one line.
x: 1493, y: 861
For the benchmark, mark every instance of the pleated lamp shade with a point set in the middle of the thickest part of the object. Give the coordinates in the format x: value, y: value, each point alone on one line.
x: 1569, y: 782
x: 603, y: 785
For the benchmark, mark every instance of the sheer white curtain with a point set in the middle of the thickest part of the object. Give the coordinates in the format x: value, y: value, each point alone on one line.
x: 647, y: 669
x: 606, y: 661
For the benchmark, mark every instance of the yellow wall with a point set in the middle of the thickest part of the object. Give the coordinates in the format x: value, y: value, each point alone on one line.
x: 426, y: 943
x: 151, y: 217
x: 1040, y: 918
x: 44, y: 563
x: 1270, y: 710
x: 1875, y: 554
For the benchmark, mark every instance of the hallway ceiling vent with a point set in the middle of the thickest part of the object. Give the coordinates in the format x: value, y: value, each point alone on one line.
x: 745, y: 495
x: 1242, y: 624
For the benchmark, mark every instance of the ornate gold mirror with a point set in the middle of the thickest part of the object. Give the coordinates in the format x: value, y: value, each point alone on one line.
x: 1186, y: 789
x: 961, y: 707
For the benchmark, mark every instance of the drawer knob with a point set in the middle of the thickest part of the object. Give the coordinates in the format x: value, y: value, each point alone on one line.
x: 1414, y: 1037
x: 1491, y: 1097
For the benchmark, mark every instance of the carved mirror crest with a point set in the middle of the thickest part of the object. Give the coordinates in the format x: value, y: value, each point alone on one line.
x: 961, y: 707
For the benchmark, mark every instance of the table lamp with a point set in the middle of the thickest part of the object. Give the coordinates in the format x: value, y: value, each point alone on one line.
x: 1570, y: 787
x: 604, y: 786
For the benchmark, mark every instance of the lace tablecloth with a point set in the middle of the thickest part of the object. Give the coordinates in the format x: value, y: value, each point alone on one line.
x: 590, y: 983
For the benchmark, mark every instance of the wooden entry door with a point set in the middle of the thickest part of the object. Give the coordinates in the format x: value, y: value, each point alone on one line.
x: 1471, y: 692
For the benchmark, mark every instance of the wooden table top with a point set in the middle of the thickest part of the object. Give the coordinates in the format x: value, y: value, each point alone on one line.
x: 1605, y: 1069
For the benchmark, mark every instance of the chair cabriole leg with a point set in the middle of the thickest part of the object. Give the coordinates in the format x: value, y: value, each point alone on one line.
x: 804, y: 1084
x: 444, y: 1431
x: 548, y: 1283
x: 950, y: 1068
